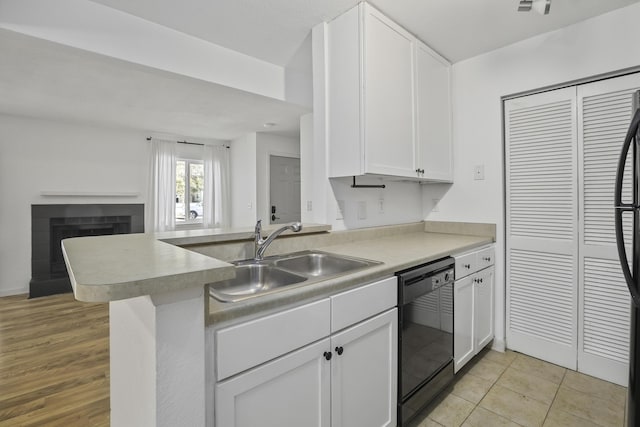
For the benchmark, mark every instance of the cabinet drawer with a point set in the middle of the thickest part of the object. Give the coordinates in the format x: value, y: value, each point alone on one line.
x: 485, y: 257
x: 361, y: 303
x: 243, y: 346
x: 470, y: 262
x: 465, y: 264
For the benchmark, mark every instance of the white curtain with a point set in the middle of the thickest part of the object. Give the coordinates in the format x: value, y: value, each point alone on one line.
x: 161, y: 211
x: 216, y: 202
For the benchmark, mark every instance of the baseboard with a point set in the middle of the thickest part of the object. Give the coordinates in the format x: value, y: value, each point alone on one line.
x: 499, y: 345
x: 15, y: 291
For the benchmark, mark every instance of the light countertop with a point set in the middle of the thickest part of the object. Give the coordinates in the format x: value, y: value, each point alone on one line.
x: 396, y: 253
x: 110, y: 268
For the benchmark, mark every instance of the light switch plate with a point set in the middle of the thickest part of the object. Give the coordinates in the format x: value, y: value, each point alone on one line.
x: 478, y: 173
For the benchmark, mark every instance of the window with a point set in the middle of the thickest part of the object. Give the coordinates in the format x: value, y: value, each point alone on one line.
x: 189, y: 186
x: 189, y: 191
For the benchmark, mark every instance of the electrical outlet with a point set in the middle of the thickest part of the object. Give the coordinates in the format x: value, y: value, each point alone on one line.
x: 362, y: 210
x: 309, y: 206
x: 249, y: 205
x: 435, y: 205
x: 340, y: 210
x: 478, y: 172
x: 381, y: 206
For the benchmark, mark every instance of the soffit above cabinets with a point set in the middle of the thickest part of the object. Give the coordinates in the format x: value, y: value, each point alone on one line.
x: 47, y: 80
x: 272, y: 30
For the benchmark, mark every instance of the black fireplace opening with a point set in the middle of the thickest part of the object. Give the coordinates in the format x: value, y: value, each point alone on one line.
x: 64, y: 228
x: 50, y: 224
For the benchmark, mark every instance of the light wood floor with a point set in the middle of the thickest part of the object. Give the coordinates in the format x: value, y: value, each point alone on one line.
x: 54, y: 362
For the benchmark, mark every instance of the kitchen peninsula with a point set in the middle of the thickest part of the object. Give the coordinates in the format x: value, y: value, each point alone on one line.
x: 160, y: 308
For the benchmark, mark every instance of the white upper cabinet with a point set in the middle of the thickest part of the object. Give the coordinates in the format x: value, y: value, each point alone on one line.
x: 433, y: 115
x: 388, y: 97
x: 388, y: 100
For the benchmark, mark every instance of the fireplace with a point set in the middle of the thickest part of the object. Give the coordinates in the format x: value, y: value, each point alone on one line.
x: 50, y: 224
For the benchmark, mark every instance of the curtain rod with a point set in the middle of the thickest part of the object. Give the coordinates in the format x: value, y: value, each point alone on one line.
x: 189, y: 143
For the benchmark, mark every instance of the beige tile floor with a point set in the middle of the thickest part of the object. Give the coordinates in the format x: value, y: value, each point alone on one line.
x: 512, y: 389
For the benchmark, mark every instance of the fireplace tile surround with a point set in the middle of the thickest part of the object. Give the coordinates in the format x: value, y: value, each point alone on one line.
x: 50, y: 223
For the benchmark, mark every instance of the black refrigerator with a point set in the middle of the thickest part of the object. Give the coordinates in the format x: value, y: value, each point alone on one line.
x: 630, y: 262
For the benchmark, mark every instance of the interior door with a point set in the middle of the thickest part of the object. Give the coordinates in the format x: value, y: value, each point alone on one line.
x: 604, y: 113
x: 542, y: 225
x: 284, y: 189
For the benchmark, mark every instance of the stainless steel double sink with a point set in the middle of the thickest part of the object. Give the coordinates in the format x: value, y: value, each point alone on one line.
x: 260, y: 277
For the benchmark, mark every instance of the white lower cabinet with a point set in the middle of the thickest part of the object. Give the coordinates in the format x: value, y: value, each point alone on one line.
x: 347, y: 378
x: 293, y: 390
x: 364, y: 372
x: 473, y: 304
x: 483, y: 308
x: 463, y: 319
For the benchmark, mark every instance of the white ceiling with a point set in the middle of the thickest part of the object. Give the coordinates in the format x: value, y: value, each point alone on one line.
x: 45, y: 79
x: 272, y: 30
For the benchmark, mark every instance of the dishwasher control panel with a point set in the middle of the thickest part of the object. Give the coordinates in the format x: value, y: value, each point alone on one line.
x: 442, y: 278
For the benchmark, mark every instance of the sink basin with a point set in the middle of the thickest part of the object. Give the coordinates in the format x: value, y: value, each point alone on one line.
x: 318, y: 264
x: 253, y: 279
x: 275, y: 273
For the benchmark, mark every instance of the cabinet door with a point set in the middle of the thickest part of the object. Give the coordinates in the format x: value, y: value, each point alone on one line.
x: 388, y: 97
x: 483, y: 308
x: 463, y: 341
x: 291, y: 391
x: 433, y: 116
x: 364, y: 375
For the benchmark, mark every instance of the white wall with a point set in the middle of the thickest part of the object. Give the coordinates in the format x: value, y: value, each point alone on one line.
x: 400, y: 202
x: 599, y: 45
x: 298, y: 73
x: 39, y: 155
x: 267, y: 145
x: 243, y: 180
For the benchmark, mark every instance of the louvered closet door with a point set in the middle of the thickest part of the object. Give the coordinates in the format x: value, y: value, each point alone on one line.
x: 542, y: 225
x: 604, y: 113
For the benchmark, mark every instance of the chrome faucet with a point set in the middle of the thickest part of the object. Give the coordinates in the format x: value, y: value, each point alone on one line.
x: 261, y: 244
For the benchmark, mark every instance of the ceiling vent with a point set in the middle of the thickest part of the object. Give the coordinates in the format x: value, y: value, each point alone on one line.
x: 541, y: 6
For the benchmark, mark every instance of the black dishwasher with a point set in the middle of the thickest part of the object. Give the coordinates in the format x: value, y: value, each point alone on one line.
x: 425, y: 335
